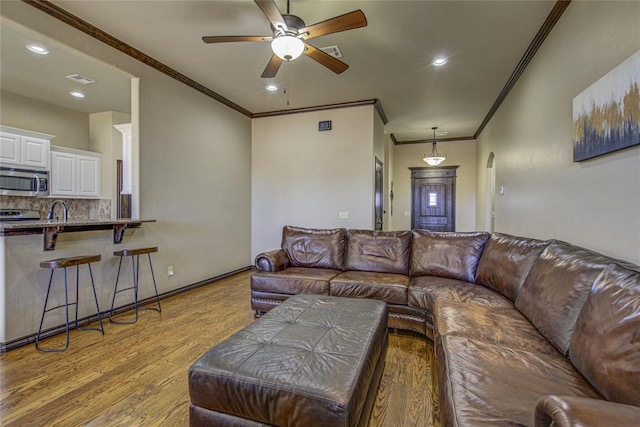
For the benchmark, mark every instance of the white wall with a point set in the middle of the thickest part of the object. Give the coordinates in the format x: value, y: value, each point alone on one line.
x: 459, y: 153
x: 304, y: 177
x: 194, y: 166
x: 595, y: 203
x: 71, y: 128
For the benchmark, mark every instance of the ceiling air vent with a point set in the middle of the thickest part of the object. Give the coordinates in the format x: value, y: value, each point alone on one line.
x: 78, y: 78
x: 332, y: 50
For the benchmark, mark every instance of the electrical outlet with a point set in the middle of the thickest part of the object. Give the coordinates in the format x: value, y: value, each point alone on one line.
x: 170, y: 270
x: 343, y: 215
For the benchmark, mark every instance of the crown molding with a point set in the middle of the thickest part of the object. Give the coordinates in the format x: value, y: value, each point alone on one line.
x: 95, y: 32
x: 543, y: 32
x: 375, y: 102
x: 429, y: 141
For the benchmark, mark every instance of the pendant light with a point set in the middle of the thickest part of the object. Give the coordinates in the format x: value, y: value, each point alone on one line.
x: 434, y: 158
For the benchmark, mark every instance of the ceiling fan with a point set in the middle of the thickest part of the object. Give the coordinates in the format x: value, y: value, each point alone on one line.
x: 290, y: 35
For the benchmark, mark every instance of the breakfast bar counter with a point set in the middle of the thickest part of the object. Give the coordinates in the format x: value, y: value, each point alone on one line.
x: 23, y: 283
x: 51, y: 228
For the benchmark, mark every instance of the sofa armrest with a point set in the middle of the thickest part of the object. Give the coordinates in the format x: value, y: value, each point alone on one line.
x: 272, y: 261
x: 566, y: 411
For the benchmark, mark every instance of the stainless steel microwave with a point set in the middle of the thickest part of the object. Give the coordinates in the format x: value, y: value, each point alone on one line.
x: 24, y: 182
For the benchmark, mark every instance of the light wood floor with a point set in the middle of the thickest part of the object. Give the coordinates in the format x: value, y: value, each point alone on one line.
x: 136, y: 375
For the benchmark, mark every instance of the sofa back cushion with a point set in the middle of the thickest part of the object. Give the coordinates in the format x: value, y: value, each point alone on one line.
x: 605, y: 346
x: 557, y: 287
x: 506, y: 262
x: 378, y: 251
x: 314, y: 248
x: 447, y: 254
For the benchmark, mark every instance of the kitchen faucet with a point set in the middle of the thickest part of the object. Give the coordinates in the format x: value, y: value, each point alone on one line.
x: 64, y: 210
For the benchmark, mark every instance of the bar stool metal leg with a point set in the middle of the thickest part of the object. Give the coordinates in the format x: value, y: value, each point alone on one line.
x: 64, y: 263
x: 95, y: 299
x: 135, y: 295
x: 135, y: 272
x: 45, y: 311
x: 155, y: 287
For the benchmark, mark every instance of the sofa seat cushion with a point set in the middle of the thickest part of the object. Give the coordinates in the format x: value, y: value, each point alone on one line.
x: 294, y: 280
x: 501, y: 326
x: 388, y: 287
x: 424, y: 291
x: 482, y: 384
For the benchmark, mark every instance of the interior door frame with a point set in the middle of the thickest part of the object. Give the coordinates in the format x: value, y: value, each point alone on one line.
x: 378, y: 195
x: 434, y: 172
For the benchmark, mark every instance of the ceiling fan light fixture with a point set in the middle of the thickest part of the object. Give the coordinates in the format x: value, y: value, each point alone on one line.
x: 434, y: 158
x: 287, y: 47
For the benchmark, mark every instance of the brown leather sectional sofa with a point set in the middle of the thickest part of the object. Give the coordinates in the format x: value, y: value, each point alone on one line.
x: 526, y: 332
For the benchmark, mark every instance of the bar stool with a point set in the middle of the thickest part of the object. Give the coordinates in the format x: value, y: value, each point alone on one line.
x: 76, y: 261
x: 135, y: 268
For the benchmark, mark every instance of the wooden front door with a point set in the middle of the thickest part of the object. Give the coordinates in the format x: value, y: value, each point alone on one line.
x: 433, y: 198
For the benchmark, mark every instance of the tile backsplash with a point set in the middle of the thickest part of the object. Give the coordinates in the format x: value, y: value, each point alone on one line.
x: 77, y: 208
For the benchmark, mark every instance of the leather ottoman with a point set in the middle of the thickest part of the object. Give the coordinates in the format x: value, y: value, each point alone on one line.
x: 313, y: 360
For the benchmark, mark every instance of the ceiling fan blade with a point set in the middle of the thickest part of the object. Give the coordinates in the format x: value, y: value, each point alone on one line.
x: 272, y: 67
x: 270, y: 10
x: 225, y: 39
x: 325, y: 59
x: 348, y: 21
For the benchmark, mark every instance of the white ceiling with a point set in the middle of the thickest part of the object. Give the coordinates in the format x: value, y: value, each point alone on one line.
x: 389, y: 60
x: 43, y: 77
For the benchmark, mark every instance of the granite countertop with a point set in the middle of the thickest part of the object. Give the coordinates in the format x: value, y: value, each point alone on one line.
x: 50, y: 229
x: 15, y: 225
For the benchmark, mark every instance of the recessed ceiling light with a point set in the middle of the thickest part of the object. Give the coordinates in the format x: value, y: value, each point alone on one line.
x: 38, y: 49
x: 271, y: 88
x: 77, y: 94
x: 438, y: 62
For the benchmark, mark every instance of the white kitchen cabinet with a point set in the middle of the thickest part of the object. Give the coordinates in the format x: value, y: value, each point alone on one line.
x: 75, y: 173
x: 19, y: 147
x: 64, y: 174
x: 10, y: 149
x: 89, y: 173
x: 35, y: 152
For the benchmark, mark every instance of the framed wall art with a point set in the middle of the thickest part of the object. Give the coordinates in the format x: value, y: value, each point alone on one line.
x: 606, y: 115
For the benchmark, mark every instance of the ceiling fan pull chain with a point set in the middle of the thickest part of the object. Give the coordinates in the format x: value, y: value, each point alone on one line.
x: 286, y: 80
